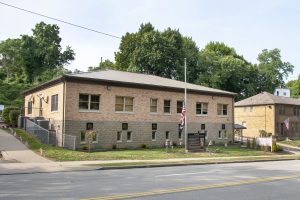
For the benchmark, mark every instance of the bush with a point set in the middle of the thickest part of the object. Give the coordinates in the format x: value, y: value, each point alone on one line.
x: 13, y: 117
x: 263, y: 133
x: 143, y: 146
x: 5, y: 114
x: 114, y: 146
x: 275, y: 148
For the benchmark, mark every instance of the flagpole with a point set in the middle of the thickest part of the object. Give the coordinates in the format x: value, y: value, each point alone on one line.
x: 185, y: 105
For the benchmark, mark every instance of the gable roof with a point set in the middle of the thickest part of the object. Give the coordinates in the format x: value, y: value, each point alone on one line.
x: 131, y: 79
x: 266, y: 98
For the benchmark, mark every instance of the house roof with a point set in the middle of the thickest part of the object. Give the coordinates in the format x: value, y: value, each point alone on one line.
x: 136, y: 79
x: 266, y: 98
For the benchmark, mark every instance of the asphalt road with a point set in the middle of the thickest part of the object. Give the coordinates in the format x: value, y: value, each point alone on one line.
x: 262, y: 180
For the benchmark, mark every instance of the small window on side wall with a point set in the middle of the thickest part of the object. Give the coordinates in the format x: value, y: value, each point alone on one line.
x: 154, y: 126
x: 202, y: 126
x: 89, y: 126
x: 167, y: 135
x: 124, y: 126
x: 119, y: 136
x: 223, y: 126
x: 153, y: 137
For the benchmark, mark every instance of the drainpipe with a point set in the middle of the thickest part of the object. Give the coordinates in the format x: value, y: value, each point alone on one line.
x: 63, y: 113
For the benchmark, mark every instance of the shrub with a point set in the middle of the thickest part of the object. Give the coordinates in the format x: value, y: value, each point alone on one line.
x: 5, y: 114
x: 274, y: 147
x: 143, y: 146
x: 85, y: 147
x: 263, y: 133
x: 114, y: 146
x: 13, y: 117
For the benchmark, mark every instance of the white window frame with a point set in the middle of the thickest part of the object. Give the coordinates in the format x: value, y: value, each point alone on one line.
x: 153, y: 106
x: 202, y: 108
x: 89, y: 103
x: 124, y: 104
x: 222, y: 110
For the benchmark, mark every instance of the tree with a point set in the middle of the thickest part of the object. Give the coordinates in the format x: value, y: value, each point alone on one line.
x: 272, y: 70
x: 150, y: 51
x: 294, y: 86
x: 27, y: 57
x: 106, y: 64
x: 221, y: 67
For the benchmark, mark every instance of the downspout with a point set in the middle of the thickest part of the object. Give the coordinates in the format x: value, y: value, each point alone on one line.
x: 63, y: 113
x: 233, y: 121
x: 265, y: 118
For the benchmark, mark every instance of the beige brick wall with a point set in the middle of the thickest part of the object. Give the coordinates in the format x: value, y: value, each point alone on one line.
x: 142, y: 105
x: 260, y: 118
x: 56, y: 117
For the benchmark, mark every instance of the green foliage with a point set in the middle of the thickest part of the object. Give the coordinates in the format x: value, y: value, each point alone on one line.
x: 106, y: 64
x: 5, y: 114
x: 294, y: 86
x: 143, y: 146
x: 30, y: 60
x: 150, y: 51
x: 272, y: 70
x: 274, y: 147
x: 263, y: 133
x: 13, y: 117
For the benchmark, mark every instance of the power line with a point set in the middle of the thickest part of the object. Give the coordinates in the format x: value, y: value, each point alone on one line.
x: 59, y: 20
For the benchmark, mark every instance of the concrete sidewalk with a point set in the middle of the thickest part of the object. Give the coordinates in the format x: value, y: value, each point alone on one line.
x: 14, y: 150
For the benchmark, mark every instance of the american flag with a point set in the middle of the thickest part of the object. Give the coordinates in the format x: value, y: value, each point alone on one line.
x: 287, y: 123
x: 182, y: 116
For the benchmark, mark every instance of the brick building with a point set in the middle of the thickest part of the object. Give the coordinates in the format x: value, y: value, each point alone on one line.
x: 129, y: 109
x: 268, y: 112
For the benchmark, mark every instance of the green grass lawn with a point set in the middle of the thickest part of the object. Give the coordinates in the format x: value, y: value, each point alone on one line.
x: 295, y: 143
x: 61, y: 154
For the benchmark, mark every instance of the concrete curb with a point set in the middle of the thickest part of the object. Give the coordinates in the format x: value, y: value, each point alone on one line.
x: 187, y: 164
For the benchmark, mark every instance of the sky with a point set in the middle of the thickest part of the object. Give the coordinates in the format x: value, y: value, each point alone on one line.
x: 247, y: 26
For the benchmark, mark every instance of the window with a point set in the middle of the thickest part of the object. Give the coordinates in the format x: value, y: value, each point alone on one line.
x: 119, y: 136
x: 220, y: 134
x: 29, y: 108
x: 124, y: 104
x: 54, y: 102
x: 89, y: 126
x: 167, y: 106
x: 179, y: 106
x: 202, y: 126
x: 222, y: 109
x: 129, y: 136
x: 225, y: 134
x: 201, y: 108
x: 153, y: 105
x: 296, y: 111
x: 223, y: 126
x: 124, y: 126
x: 82, y: 137
x: 281, y: 109
x: 89, y: 102
x: 153, y: 137
x: 167, y: 135
x: 154, y: 126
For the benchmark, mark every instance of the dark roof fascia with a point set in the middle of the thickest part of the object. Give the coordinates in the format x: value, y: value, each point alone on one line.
x: 140, y: 85
x: 44, y: 85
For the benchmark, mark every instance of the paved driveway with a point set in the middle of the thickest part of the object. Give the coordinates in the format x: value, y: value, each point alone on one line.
x: 13, y: 150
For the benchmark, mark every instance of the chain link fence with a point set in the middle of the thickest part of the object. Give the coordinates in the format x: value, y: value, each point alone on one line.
x: 50, y: 137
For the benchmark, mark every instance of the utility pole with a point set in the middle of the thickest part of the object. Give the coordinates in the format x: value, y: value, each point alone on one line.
x: 185, y: 105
